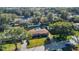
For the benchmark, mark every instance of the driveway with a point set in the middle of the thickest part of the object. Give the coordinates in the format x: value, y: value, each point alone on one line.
x: 39, y: 48
x: 24, y: 47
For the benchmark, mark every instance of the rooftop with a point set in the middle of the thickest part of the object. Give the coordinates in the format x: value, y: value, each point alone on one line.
x: 38, y: 31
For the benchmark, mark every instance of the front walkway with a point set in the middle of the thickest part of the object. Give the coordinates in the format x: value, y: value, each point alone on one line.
x: 23, y: 48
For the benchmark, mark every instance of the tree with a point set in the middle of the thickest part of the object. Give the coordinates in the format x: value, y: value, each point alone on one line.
x: 34, y: 20
x: 61, y: 28
x: 1, y: 38
x: 65, y: 15
x: 43, y: 19
x: 7, y: 18
x: 50, y: 16
x: 16, y: 34
x: 75, y: 19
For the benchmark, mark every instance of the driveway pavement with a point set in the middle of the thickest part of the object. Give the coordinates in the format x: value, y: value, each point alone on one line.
x: 24, y: 47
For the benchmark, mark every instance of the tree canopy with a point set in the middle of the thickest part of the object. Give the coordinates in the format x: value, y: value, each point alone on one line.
x: 61, y: 28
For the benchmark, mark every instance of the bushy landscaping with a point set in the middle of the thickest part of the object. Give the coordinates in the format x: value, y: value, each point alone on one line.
x: 69, y: 37
x: 36, y: 42
x: 76, y: 33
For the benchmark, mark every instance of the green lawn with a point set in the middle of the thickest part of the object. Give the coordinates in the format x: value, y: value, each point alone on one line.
x: 10, y: 47
x: 69, y: 37
x: 36, y: 42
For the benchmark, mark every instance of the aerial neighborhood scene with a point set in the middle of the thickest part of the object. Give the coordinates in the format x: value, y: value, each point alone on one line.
x: 39, y: 29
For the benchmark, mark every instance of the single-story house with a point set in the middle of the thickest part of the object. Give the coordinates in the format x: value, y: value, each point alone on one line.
x: 20, y: 21
x: 38, y: 32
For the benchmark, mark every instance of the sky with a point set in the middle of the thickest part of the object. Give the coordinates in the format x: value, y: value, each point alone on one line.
x: 39, y: 3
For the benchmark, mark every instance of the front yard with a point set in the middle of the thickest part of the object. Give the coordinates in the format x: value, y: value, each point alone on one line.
x: 36, y: 42
x: 10, y: 47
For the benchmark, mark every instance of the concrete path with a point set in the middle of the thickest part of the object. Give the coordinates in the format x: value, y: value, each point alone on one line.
x: 23, y: 45
x: 39, y: 48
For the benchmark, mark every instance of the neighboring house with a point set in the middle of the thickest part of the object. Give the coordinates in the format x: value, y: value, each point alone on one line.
x: 20, y: 21
x: 38, y: 32
x: 30, y: 26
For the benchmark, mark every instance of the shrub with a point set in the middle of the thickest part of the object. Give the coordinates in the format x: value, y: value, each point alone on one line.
x: 10, y: 47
